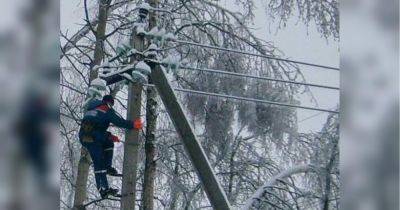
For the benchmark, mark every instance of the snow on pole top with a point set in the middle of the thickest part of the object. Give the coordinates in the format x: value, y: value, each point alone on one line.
x: 140, y: 30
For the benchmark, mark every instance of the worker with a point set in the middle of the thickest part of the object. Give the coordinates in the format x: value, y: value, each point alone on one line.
x: 94, y: 136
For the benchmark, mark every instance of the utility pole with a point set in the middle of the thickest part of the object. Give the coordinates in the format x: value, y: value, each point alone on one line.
x: 132, y: 143
x: 84, y: 161
x: 213, y: 189
x: 151, y: 125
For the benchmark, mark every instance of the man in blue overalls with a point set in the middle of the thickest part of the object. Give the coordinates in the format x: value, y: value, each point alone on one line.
x: 99, y: 142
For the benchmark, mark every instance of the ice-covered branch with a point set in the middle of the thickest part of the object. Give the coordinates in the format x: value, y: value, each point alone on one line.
x: 284, y: 174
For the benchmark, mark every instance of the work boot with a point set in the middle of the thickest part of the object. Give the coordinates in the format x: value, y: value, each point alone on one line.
x: 112, y: 171
x: 104, y: 193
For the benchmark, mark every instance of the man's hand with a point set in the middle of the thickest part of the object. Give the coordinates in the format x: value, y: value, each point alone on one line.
x: 114, y: 138
x: 137, y: 124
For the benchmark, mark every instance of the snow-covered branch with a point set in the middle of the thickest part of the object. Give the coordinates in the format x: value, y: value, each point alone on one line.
x: 284, y: 174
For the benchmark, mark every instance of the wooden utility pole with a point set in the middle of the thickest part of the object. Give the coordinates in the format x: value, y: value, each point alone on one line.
x: 151, y: 125
x: 84, y: 161
x: 132, y: 143
x: 214, y: 191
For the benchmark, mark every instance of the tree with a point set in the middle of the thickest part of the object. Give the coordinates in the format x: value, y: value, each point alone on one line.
x: 324, y: 14
x: 321, y: 171
x: 84, y: 161
x: 151, y: 127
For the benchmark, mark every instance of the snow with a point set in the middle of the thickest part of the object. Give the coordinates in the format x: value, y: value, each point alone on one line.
x: 144, y: 5
x: 143, y: 68
x: 119, y: 71
x: 139, y: 77
x: 132, y: 52
x: 124, y: 47
x: 152, y: 47
x: 91, y: 97
x: 151, y: 50
x: 99, y: 84
x: 127, y: 76
x: 93, y: 92
x: 169, y: 37
x: 95, y: 67
x: 150, y: 54
x: 105, y: 63
x: 126, y: 68
x: 153, y: 32
x: 258, y: 194
x: 160, y: 34
x: 140, y: 30
x: 96, y: 87
x: 86, y: 103
x: 172, y: 62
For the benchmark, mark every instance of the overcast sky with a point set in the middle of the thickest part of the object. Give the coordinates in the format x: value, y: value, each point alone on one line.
x: 296, y: 41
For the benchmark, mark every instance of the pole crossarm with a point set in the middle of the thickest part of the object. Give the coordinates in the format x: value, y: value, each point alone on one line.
x: 213, y: 189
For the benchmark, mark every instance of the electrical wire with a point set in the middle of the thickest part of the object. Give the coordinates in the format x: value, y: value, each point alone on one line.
x: 255, y: 54
x: 257, y: 77
x: 249, y: 99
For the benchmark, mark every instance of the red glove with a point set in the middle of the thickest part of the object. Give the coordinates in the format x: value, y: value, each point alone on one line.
x: 114, y: 138
x: 138, y: 124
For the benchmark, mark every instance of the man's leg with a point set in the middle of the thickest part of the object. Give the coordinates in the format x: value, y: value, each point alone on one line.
x: 108, y: 151
x: 96, y: 153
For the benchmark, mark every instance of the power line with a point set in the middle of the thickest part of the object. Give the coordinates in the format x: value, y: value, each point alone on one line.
x: 255, y: 54
x: 249, y: 99
x: 256, y: 77
x: 310, y: 117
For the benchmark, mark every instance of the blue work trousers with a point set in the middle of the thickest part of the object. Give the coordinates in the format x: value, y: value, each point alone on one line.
x: 101, y: 149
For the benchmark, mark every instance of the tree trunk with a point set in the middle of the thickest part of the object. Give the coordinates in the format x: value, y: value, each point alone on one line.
x: 151, y: 125
x: 85, y: 30
x: 174, y: 188
x: 150, y: 150
x: 84, y: 161
x: 325, y: 200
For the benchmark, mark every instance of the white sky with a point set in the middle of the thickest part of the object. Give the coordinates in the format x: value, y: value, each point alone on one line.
x: 296, y: 41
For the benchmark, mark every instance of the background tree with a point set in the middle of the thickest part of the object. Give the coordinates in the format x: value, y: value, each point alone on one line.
x: 323, y: 14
